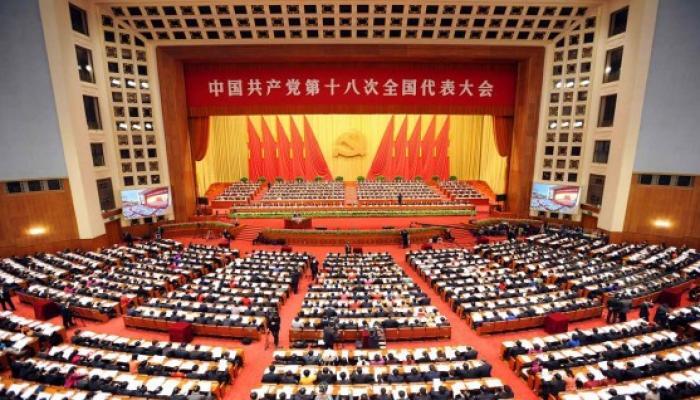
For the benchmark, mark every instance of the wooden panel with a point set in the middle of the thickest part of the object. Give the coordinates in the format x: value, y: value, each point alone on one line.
x: 174, y: 108
x: 648, y: 203
x: 51, y: 210
x: 529, y: 61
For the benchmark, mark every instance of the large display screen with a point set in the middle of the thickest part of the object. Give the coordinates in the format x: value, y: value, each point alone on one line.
x: 142, y: 203
x: 562, y: 199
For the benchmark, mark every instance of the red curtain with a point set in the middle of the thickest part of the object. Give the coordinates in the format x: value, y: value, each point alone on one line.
x: 442, y: 161
x: 315, y: 162
x: 399, y: 164
x: 426, y: 150
x: 285, y: 152
x: 255, y: 162
x: 298, y: 163
x: 413, y: 169
x: 382, y: 158
x: 270, y: 165
x: 199, y: 137
x: 503, y: 131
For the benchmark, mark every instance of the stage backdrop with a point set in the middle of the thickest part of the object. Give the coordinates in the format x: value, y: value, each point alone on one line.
x: 351, y: 145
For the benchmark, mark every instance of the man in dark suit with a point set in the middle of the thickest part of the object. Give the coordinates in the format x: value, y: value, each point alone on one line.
x: 6, y: 298
x: 270, y: 376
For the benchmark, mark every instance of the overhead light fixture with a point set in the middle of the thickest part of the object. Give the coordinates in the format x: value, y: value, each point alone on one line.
x: 558, y: 85
x: 608, y: 69
x: 578, y: 124
x: 36, y: 230
x: 570, y: 84
x: 662, y: 223
x: 144, y: 84
x: 565, y: 124
x: 552, y: 125
x: 585, y: 82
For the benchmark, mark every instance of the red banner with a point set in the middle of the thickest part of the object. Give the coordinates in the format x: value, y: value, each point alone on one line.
x: 230, y: 85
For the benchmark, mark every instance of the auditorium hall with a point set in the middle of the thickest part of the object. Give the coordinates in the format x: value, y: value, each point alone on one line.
x: 349, y: 200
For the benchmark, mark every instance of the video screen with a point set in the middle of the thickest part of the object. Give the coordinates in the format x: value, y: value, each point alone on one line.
x: 142, y: 203
x: 555, y: 198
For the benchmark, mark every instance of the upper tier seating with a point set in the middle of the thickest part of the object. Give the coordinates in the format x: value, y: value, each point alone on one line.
x: 318, y: 193
x: 239, y: 192
x: 461, y: 191
x: 380, y: 192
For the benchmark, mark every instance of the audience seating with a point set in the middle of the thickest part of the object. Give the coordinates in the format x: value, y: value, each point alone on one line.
x: 513, y: 285
x: 232, y: 301
x: 16, y: 389
x: 356, y: 292
x: 402, y: 373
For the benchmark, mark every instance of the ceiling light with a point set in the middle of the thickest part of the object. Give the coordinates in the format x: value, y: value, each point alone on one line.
x: 36, y: 230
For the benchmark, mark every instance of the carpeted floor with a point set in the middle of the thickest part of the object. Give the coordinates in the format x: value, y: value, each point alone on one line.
x: 257, y: 356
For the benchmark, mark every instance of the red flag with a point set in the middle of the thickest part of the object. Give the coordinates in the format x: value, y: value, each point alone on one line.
x: 269, y: 153
x: 426, y: 150
x: 399, y: 164
x: 285, y: 152
x: 413, y: 168
x: 442, y: 160
x: 255, y: 163
x: 382, y: 158
x: 298, y: 162
x: 315, y: 162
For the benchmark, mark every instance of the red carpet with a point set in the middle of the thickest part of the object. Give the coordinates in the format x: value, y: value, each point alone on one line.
x: 257, y: 358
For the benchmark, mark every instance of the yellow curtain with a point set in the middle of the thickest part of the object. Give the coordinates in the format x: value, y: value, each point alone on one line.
x: 227, y: 154
x: 473, y: 152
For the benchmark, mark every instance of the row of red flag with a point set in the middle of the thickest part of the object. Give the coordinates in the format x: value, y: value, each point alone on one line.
x: 400, y: 156
x: 415, y: 156
x: 272, y: 158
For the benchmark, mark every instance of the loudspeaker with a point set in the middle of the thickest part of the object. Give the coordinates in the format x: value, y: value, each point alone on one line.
x: 203, y: 201
x: 501, y: 197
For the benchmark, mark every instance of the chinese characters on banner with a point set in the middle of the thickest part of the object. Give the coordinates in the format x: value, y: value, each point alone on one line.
x: 215, y: 85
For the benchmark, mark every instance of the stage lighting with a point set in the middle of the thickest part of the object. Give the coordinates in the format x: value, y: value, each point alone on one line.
x: 662, y: 223
x: 36, y: 230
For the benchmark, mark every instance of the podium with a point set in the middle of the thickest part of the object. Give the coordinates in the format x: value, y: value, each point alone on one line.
x: 297, y: 223
x: 556, y: 323
x: 45, y: 309
x: 181, y: 332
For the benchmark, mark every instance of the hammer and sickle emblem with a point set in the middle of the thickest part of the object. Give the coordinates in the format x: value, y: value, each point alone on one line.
x: 350, y: 144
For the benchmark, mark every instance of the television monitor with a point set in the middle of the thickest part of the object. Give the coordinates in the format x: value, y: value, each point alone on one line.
x: 563, y: 199
x: 144, y: 203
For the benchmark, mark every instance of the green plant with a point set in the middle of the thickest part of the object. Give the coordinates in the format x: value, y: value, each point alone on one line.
x: 453, y: 178
x: 360, y: 178
x: 398, y: 178
x: 262, y: 179
x: 418, y: 178
x: 279, y: 179
x: 379, y: 178
x: 299, y: 179
x: 436, y: 178
x: 339, y: 178
x: 318, y: 178
x: 244, y: 179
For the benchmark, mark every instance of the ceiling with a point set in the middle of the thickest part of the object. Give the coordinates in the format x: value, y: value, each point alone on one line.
x: 212, y: 22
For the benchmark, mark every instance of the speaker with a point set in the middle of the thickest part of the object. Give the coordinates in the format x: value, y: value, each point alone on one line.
x: 501, y: 197
x: 203, y: 201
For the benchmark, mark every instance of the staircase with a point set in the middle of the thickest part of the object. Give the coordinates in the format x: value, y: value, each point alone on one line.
x: 350, y: 193
x: 463, y: 237
x: 259, y: 194
x: 248, y: 233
